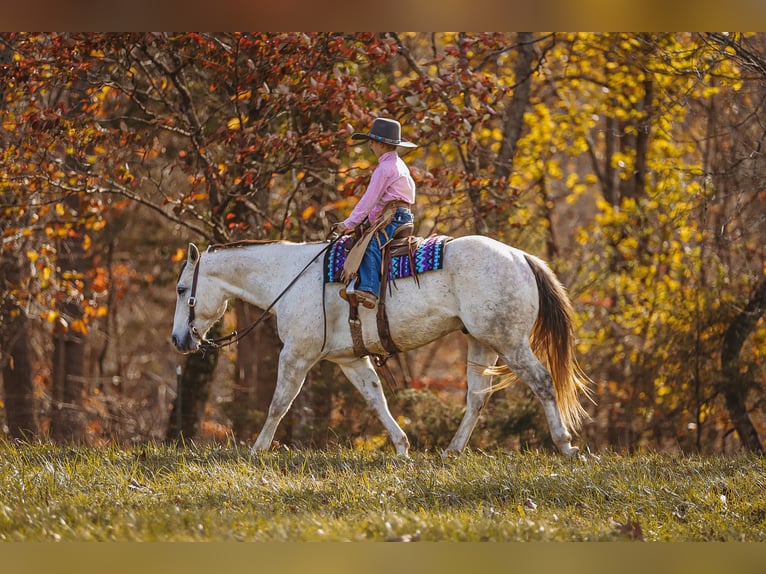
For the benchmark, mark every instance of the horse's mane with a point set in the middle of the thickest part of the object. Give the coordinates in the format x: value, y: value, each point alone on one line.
x: 242, y: 243
x: 251, y: 242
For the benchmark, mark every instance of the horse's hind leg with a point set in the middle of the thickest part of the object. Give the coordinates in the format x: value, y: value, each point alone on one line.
x: 527, y: 367
x: 362, y: 375
x: 476, y: 397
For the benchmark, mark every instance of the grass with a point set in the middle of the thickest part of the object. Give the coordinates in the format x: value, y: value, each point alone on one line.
x: 223, y: 493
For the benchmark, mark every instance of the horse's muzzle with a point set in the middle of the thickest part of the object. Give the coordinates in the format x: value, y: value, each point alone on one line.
x: 185, y: 344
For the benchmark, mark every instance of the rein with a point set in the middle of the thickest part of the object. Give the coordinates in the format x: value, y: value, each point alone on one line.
x: 234, y: 336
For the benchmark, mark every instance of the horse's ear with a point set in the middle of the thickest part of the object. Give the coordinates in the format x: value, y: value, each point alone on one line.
x: 192, y: 254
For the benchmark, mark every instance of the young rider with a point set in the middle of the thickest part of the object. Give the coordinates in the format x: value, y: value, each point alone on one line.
x: 385, y: 204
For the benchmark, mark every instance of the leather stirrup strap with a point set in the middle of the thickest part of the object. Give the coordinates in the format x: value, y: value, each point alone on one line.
x: 355, y: 325
x: 384, y: 329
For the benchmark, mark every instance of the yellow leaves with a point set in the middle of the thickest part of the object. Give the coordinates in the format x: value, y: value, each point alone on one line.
x: 361, y: 164
x: 581, y: 236
x: 308, y: 212
x: 686, y: 233
x: 627, y: 247
x: 236, y: 123
x: 623, y: 162
x: 603, y: 205
x: 96, y: 311
x: 243, y: 95
x: 554, y: 169
x: 178, y: 256
x: 97, y: 225
x: 78, y: 326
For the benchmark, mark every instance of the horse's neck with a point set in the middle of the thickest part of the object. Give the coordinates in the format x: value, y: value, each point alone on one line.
x: 258, y: 274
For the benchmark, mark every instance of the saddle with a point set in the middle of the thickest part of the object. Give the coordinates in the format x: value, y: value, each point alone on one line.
x: 404, y: 255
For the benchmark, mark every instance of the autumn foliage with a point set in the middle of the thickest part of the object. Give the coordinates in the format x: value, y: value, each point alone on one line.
x: 631, y: 162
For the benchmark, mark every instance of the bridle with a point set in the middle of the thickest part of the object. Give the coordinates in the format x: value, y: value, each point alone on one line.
x: 192, y: 303
x: 234, y: 336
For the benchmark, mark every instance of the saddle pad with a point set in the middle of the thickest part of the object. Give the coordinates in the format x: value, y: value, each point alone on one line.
x: 429, y: 256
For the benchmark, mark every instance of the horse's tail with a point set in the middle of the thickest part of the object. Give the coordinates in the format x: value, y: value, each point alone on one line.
x: 553, y: 338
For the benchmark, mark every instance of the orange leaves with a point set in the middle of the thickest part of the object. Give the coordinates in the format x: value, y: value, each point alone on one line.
x: 178, y: 256
x: 78, y: 326
x: 243, y: 95
x: 100, y: 280
x: 9, y: 123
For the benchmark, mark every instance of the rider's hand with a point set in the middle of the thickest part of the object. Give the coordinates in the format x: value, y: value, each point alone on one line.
x: 337, y: 229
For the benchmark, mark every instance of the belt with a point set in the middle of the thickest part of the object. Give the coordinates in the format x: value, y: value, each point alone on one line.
x: 399, y: 203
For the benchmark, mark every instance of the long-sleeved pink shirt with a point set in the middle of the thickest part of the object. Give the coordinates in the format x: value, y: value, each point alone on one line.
x: 391, y: 181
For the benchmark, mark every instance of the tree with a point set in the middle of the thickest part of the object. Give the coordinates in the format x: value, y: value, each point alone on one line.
x: 17, y: 361
x: 630, y: 161
x: 48, y: 217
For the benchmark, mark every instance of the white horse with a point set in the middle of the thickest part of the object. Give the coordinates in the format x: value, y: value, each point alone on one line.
x: 508, y: 302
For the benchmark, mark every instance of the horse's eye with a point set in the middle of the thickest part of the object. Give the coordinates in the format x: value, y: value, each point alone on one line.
x: 181, y: 290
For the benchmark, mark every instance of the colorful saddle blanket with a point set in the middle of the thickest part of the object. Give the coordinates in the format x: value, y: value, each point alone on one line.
x: 429, y: 256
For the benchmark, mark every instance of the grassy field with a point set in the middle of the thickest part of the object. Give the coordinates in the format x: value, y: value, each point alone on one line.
x: 223, y: 493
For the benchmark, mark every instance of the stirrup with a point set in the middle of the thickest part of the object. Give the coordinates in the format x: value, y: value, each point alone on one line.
x: 354, y: 297
x: 369, y: 300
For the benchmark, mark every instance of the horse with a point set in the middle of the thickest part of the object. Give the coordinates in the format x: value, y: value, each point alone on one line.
x: 509, y: 304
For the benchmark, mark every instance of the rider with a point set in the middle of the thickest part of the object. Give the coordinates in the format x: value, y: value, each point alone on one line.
x: 386, y: 201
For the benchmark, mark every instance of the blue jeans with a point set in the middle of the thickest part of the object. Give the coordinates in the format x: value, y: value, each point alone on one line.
x: 369, y: 269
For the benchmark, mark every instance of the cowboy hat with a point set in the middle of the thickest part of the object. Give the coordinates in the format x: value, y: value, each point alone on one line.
x: 386, y: 131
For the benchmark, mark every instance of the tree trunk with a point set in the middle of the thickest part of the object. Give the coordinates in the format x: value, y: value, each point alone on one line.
x: 18, y: 385
x: 308, y: 422
x: 256, y: 376
x: 67, y: 416
x: 734, y: 384
x: 514, y: 113
x: 16, y: 356
x: 638, y: 180
x: 192, y: 395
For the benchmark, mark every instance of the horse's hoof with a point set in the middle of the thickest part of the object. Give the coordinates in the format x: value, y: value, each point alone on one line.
x: 448, y: 453
x: 570, y: 451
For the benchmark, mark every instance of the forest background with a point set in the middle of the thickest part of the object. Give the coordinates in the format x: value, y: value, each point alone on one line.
x: 631, y: 162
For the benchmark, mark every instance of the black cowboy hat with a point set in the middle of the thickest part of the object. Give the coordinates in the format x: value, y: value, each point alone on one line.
x: 386, y: 131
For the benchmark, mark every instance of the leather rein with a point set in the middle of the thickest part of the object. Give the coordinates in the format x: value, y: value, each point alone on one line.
x: 235, y: 336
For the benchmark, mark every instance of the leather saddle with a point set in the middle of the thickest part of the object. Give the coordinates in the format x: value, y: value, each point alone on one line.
x: 402, y: 244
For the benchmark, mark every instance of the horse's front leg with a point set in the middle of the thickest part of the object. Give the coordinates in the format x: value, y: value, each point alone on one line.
x: 363, y: 376
x: 292, y: 374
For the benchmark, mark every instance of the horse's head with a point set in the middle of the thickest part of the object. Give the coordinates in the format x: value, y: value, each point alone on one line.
x: 199, y: 304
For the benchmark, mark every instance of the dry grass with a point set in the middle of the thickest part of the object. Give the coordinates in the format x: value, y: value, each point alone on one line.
x: 223, y: 493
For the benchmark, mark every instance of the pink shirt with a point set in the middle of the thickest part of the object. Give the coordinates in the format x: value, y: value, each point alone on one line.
x: 391, y: 181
